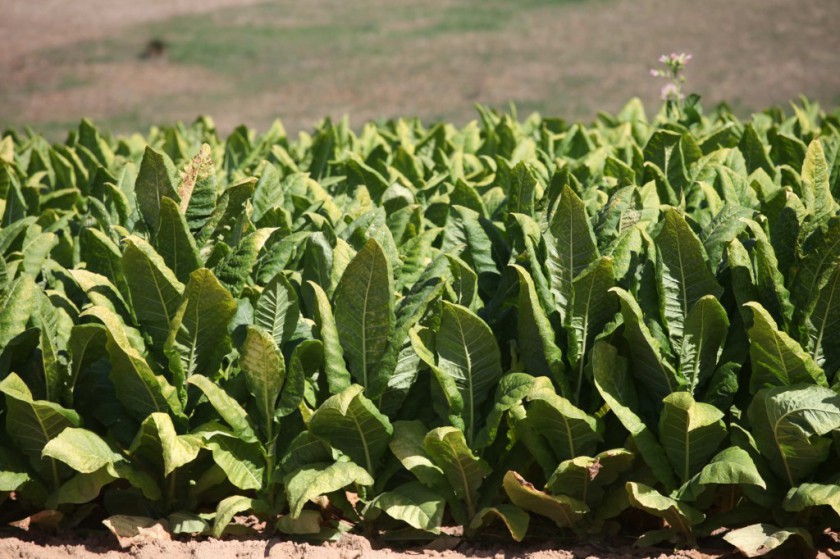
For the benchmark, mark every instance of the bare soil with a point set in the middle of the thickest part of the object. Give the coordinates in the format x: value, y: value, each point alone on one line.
x: 349, y: 547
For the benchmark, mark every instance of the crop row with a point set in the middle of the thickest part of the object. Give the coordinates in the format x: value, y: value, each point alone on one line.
x: 505, y: 325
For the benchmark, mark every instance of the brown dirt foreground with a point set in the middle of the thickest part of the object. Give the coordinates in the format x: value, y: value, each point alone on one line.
x: 349, y: 547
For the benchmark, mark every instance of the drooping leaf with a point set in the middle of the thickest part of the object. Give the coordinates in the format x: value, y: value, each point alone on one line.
x: 789, y: 424
x: 415, y: 504
x: 514, y: 518
x: 136, y: 386
x: 565, y: 511
x: 760, y: 539
x: 350, y: 422
x: 314, y: 480
x: 690, y: 432
x: 679, y: 516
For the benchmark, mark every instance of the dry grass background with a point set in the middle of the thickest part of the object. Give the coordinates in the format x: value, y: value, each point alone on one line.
x: 246, y: 61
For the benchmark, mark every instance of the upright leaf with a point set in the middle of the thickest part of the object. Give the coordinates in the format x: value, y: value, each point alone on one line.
x: 683, y: 272
x: 465, y: 472
x: 364, y: 313
x: 277, y: 311
x: 469, y: 355
x: 155, y: 291
x: 571, y: 246
x: 199, y: 338
x: 777, y: 360
x: 156, y: 178
x: 265, y: 371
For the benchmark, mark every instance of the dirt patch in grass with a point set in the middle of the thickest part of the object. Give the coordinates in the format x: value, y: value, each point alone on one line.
x: 244, y: 61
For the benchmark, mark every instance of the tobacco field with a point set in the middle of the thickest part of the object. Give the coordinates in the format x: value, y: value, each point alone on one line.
x: 519, y: 326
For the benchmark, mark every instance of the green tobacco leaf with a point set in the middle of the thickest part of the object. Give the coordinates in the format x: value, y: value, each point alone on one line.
x: 616, y: 388
x: 351, y: 423
x: 364, y: 313
x: 277, y: 311
x: 571, y: 246
x: 227, y: 509
x: 265, y: 372
x: 515, y: 519
x: 777, y: 360
x: 469, y: 355
x: 198, y: 189
x: 199, y: 337
x: 136, y: 386
x: 338, y: 378
x: 819, y: 261
x: 565, y: 511
x: 683, y: 271
x: 156, y: 178
x: 584, y: 477
x: 465, y: 472
x: 649, y: 364
x: 158, y: 443
x: 522, y: 190
x: 229, y: 409
x: 815, y: 184
x: 569, y: 430
x: 511, y: 390
x: 235, y: 268
x: 415, y: 504
x: 679, y: 516
x: 407, y: 445
x: 174, y: 241
x: 305, y: 363
x: 760, y: 539
x: 690, y: 432
x: 16, y: 307
x: 31, y: 424
x: 314, y: 480
x: 155, y: 291
x: 732, y: 466
x: 82, y: 450
x: 540, y: 353
x: 590, y: 310
x: 824, y: 326
x: 241, y: 461
x: 789, y: 424
x: 705, y: 333
x: 813, y: 495
x: 466, y: 237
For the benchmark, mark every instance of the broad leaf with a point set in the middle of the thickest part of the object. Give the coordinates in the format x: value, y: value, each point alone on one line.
x: 351, y: 423
x: 364, y: 313
x: 789, y: 424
